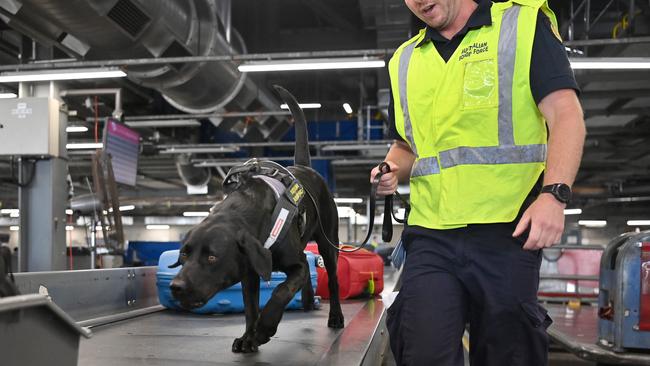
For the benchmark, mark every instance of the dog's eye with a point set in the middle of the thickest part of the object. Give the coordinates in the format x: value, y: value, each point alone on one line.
x: 212, y: 259
x: 183, y: 256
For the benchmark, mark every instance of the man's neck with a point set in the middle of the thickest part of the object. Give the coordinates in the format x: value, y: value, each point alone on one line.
x: 467, y: 7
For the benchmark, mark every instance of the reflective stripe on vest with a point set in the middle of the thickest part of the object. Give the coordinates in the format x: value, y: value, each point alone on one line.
x: 425, y: 166
x: 507, y: 152
x: 404, y: 61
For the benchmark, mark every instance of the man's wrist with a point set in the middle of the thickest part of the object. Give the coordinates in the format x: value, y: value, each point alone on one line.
x: 560, y: 191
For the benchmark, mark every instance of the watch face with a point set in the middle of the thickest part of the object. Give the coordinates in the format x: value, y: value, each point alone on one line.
x: 564, y: 192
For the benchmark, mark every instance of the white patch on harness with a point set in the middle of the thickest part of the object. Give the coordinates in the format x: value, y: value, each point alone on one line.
x: 277, y: 228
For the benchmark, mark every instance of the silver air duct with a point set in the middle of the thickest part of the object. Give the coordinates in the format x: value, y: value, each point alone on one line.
x: 109, y: 29
x: 191, y: 175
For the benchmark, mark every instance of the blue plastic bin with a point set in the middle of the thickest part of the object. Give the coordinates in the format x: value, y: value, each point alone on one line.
x: 148, y: 252
x: 229, y: 300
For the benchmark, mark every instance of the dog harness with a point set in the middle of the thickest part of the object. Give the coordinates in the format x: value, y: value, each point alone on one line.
x: 287, y: 190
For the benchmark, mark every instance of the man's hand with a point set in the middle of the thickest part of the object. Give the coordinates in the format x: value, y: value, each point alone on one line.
x: 545, y: 217
x: 388, y: 183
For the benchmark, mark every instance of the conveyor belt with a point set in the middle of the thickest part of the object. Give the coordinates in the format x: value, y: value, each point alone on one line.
x: 174, y: 338
x: 577, y: 331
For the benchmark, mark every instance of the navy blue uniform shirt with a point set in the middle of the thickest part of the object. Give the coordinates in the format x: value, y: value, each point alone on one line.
x: 549, y: 68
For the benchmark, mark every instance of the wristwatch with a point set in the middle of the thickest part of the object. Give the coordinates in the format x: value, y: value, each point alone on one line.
x: 560, y: 191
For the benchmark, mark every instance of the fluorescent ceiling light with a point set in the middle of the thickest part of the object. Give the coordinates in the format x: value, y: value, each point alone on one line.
x: 196, y: 213
x: 638, y: 222
x: 14, y: 214
x: 199, y: 150
x: 122, y: 208
x: 70, y: 74
x: 303, y: 106
x: 7, y: 95
x: 348, y: 200
x: 610, y: 63
x: 574, y: 50
x: 69, y: 228
x: 354, y: 147
x: 157, y: 227
x: 311, y: 64
x: 84, y: 145
x: 572, y: 211
x: 69, y: 212
x: 593, y: 223
x: 163, y: 123
x: 8, y: 211
x: 76, y: 129
x: 14, y: 228
x: 345, y: 212
x: 347, y: 107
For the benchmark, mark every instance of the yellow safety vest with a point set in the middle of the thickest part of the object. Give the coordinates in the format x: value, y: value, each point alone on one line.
x: 476, y: 131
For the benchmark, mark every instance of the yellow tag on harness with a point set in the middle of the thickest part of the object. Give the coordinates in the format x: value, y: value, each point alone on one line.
x: 296, y: 192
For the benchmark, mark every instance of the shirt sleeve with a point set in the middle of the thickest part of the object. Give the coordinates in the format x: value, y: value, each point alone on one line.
x: 550, y: 69
x: 392, y: 130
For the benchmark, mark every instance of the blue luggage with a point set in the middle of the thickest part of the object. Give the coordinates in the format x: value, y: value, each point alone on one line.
x: 229, y: 300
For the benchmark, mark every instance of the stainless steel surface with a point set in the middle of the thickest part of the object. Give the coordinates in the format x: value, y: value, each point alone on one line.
x: 568, y: 277
x: 89, y: 294
x: 33, y: 300
x: 579, y: 247
x: 577, y: 331
x: 175, y: 338
x: 103, y: 320
x: 34, y: 331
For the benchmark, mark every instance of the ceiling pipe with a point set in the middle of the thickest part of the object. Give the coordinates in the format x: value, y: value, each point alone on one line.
x: 65, y: 64
x: 117, y: 112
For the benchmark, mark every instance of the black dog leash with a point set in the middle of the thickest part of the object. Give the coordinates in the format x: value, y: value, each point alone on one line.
x: 387, y: 228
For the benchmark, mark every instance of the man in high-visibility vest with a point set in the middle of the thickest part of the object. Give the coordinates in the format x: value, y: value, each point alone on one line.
x: 489, y: 132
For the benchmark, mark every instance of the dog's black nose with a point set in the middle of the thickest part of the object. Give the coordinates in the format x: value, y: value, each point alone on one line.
x: 177, y: 286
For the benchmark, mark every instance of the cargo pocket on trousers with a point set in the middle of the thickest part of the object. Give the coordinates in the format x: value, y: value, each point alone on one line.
x: 536, y: 314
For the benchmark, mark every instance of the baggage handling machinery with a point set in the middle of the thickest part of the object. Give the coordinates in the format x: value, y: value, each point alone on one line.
x: 617, y: 331
x: 130, y: 327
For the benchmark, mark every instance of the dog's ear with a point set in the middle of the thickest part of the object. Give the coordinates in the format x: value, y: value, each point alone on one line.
x: 258, y: 256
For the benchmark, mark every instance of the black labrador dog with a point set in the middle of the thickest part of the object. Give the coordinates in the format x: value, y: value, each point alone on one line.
x: 7, y: 285
x: 227, y: 248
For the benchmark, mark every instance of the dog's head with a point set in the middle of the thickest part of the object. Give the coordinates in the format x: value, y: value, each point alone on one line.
x: 215, y: 257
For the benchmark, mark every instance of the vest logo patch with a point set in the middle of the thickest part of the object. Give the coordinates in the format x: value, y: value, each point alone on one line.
x: 473, y: 49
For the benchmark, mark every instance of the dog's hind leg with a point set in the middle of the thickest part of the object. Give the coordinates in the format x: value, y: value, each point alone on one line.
x: 307, y: 292
x: 330, y: 257
x: 272, y: 313
x: 251, y: 291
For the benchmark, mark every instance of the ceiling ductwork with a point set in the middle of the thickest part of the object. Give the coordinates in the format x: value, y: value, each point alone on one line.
x: 191, y: 175
x: 131, y: 29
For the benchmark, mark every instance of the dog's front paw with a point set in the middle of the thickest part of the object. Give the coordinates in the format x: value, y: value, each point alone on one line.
x: 261, y: 337
x: 245, y: 344
x: 336, y: 321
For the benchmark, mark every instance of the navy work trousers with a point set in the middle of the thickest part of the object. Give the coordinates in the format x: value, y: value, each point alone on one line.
x: 478, y: 275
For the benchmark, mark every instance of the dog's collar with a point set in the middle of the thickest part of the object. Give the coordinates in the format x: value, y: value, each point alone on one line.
x: 287, y: 189
x: 257, y: 167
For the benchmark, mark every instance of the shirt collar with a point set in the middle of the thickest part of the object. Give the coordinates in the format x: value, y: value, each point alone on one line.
x: 482, y: 16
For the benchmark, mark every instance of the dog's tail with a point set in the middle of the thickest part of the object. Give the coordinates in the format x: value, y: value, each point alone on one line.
x: 301, y: 154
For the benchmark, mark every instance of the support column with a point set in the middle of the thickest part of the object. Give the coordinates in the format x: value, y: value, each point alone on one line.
x: 43, y: 197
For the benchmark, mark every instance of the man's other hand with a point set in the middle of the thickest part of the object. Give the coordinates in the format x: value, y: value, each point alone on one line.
x: 545, y: 218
